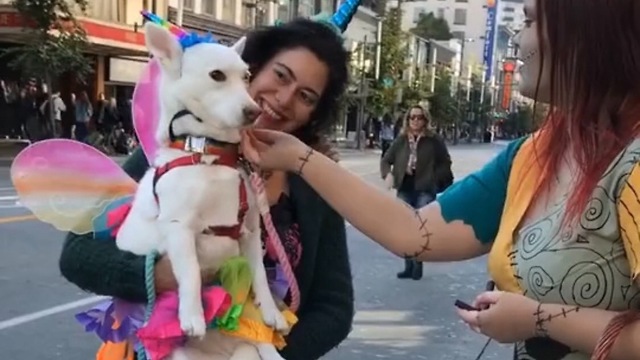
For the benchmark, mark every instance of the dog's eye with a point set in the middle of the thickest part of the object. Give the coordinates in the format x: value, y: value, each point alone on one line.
x: 218, y: 76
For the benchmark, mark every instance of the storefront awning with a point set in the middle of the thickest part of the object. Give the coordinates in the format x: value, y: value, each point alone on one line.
x: 104, y: 38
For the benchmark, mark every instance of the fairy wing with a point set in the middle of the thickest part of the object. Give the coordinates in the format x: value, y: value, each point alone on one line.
x: 146, y: 108
x: 69, y: 184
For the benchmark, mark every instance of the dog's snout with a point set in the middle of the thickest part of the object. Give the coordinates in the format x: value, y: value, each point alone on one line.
x: 251, y: 113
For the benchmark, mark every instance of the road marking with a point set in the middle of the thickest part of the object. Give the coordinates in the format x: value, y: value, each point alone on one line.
x: 7, y: 324
x: 21, y: 218
x: 14, y: 219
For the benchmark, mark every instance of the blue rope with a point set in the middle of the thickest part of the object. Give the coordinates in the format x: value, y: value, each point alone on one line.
x: 149, y: 267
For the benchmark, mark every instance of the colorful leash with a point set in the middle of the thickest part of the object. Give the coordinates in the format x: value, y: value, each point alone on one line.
x: 265, y: 211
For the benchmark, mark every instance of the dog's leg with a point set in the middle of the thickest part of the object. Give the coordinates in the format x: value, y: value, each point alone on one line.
x: 181, y: 249
x: 251, y: 248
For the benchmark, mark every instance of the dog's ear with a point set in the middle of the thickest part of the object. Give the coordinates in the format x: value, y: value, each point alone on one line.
x: 164, y: 46
x: 239, y: 45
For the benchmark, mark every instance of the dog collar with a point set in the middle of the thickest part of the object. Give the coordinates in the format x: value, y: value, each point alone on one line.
x: 228, y: 153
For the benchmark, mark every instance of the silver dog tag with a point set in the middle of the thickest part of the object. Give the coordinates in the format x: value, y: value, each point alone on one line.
x: 196, y: 144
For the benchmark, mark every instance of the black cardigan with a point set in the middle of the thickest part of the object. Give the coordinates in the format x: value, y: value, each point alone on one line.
x: 324, y: 274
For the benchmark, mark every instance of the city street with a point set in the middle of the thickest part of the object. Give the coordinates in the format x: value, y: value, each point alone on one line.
x: 395, y: 319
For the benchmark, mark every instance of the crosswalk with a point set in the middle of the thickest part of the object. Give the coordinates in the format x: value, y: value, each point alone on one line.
x: 9, y: 198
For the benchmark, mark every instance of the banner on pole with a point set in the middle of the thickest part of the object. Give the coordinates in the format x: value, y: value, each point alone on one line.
x: 489, y: 36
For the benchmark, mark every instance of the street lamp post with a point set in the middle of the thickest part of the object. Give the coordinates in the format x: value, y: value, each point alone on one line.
x: 180, y: 13
x: 363, y: 91
x: 456, y: 125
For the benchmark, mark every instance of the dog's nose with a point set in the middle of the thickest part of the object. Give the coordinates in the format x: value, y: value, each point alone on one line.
x: 251, y: 113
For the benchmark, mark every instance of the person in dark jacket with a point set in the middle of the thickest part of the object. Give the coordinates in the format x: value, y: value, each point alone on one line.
x: 420, y: 166
x: 299, y: 70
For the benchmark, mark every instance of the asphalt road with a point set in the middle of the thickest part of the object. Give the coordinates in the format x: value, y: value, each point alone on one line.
x: 395, y: 319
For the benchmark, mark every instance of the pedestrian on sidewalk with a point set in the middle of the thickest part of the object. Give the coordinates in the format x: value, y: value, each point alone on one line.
x: 58, y: 108
x: 419, y: 167
x: 557, y: 212
x: 83, y: 112
x: 386, y: 133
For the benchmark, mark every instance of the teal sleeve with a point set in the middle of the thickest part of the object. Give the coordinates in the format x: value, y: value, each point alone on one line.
x: 478, y: 199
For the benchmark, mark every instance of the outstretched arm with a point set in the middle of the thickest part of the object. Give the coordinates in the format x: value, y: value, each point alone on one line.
x: 460, y: 224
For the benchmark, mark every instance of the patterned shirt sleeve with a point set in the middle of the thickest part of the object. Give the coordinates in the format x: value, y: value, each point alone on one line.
x: 628, y: 209
x: 479, y: 198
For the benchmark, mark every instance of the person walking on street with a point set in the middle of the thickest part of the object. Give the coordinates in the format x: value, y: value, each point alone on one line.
x: 58, y: 108
x: 84, y: 111
x: 419, y: 167
x: 386, y: 133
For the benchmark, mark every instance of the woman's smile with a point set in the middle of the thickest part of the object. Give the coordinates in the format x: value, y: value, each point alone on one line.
x: 270, y: 117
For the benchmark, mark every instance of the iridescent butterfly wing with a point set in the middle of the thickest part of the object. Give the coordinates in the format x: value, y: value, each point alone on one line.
x: 68, y: 184
x: 146, y: 108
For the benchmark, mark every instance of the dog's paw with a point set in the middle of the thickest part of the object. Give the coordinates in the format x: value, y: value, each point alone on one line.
x: 273, y: 317
x: 192, y: 323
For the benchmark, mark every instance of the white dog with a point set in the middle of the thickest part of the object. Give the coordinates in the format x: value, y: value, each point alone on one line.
x: 171, y: 214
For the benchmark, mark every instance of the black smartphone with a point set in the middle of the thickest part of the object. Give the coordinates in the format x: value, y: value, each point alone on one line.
x: 464, y: 306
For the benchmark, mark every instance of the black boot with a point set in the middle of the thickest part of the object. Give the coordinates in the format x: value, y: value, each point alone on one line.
x: 408, y: 270
x: 416, y: 270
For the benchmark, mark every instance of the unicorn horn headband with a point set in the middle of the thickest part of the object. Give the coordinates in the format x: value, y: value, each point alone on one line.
x: 185, y: 38
x: 344, y: 14
x: 338, y: 21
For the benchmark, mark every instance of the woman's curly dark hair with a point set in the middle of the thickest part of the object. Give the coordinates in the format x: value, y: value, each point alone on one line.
x: 265, y: 43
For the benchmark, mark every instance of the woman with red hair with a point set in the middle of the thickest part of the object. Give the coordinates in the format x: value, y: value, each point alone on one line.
x: 558, y: 212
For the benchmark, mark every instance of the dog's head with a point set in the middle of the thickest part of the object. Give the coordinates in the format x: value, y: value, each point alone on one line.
x: 210, y: 80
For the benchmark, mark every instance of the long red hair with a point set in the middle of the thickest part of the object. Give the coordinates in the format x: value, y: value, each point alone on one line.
x: 594, y: 55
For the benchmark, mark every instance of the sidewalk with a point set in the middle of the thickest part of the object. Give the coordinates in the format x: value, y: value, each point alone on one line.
x: 10, y: 148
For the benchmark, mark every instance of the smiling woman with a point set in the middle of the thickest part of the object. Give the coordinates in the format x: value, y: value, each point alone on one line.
x: 296, y: 81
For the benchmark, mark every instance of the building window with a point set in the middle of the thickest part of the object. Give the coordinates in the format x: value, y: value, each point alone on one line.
x: 306, y: 8
x: 462, y: 1
x: 417, y: 13
x: 229, y: 11
x: 254, y: 14
x: 458, y: 35
x: 209, y: 7
x: 508, y: 19
x: 508, y: 9
x: 188, y: 4
x: 327, y: 6
x: 440, y: 13
x: 284, y: 9
x: 460, y: 17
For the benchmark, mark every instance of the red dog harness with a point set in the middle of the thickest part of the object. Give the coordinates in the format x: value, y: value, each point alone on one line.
x: 226, y: 157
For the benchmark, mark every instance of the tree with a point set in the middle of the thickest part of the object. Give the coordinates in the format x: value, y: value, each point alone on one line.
x: 392, y: 61
x: 55, y: 41
x: 443, y: 106
x: 431, y: 27
x: 524, y: 120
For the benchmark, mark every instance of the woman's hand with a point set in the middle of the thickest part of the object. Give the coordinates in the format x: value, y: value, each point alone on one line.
x: 272, y: 150
x: 507, y: 317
